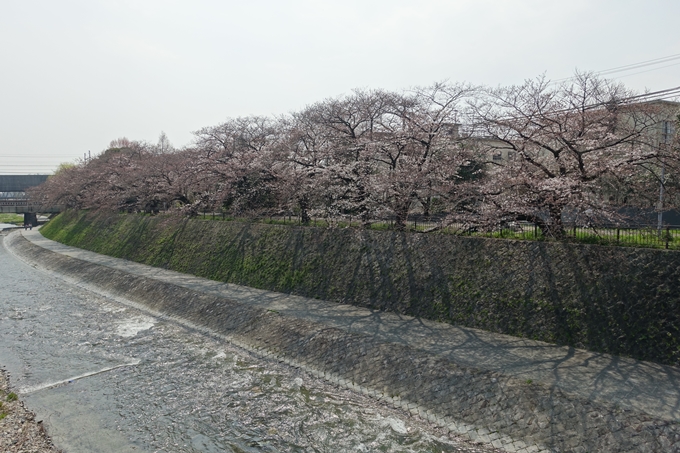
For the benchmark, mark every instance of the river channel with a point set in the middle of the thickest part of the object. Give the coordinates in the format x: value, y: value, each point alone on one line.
x: 107, y: 377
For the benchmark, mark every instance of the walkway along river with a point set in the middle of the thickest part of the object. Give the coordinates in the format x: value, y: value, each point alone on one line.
x: 107, y: 377
x: 190, y: 389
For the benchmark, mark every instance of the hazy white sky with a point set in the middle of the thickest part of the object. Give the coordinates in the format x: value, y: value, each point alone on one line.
x: 76, y: 74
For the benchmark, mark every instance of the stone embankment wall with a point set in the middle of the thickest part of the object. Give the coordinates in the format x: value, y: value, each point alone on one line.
x: 622, y: 301
x: 515, y: 415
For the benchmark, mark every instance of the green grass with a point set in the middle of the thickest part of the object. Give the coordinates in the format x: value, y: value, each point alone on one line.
x: 12, y: 397
x: 15, y: 219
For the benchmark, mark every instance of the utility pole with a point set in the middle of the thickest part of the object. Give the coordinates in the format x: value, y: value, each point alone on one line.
x: 666, y: 132
x: 659, y: 225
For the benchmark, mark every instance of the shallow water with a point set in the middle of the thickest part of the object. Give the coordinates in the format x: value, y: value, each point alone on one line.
x: 108, y: 377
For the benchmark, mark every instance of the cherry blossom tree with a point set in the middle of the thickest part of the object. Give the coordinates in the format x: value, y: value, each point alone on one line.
x: 104, y: 182
x: 233, y: 166
x: 561, y: 143
x: 419, y: 149
x: 538, y: 152
x: 328, y: 149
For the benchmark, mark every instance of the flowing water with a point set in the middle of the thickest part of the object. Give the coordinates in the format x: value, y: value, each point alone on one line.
x: 107, y: 377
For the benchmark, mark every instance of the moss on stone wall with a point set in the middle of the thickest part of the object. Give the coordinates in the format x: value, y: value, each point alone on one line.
x: 621, y: 301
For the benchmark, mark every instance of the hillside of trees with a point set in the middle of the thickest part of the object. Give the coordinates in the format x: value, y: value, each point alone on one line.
x: 538, y: 152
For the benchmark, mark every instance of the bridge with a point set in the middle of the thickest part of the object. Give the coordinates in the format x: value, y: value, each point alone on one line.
x: 14, y: 199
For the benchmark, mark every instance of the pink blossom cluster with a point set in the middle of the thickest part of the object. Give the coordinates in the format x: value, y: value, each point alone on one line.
x: 534, y: 152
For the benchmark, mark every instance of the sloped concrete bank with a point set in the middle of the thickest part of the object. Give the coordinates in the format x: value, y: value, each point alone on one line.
x: 615, y: 300
x: 488, y: 406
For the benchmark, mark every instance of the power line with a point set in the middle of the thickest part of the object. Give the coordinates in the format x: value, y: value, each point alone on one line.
x: 661, y: 95
x: 640, y: 65
x: 630, y: 67
x: 666, y: 92
x: 649, y: 70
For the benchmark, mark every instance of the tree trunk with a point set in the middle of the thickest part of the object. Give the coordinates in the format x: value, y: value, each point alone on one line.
x: 427, y: 205
x: 401, y: 216
x: 303, y: 203
x: 554, y: 227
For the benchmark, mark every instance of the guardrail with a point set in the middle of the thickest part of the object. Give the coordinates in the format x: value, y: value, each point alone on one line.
x: 19, y: 206
x: 17, y: 203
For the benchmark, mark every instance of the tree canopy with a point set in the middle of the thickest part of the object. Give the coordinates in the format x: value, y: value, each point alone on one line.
x: 537, y: 152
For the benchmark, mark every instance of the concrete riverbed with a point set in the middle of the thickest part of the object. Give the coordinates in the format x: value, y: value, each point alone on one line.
x: 514, y: 394
x: 104, y: 376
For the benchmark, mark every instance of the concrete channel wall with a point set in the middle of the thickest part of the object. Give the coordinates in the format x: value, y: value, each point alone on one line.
x: 615, y: 300
x: 513, y: 414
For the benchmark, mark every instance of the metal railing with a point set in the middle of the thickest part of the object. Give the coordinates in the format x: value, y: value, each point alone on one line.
x: 641, y: 235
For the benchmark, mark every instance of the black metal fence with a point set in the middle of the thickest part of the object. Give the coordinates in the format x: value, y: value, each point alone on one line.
x: 639, y: 236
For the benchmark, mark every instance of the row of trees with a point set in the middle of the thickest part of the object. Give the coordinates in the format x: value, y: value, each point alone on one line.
x: 536, y: 152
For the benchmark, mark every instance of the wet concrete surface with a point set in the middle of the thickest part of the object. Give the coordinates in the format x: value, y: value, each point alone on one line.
x: 107, y: 377
x: 630, y: 384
